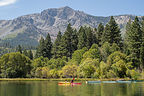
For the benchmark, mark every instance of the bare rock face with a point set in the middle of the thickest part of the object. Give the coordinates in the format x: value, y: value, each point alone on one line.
x: 27, y: 30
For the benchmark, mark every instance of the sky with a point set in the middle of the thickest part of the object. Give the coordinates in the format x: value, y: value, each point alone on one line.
x: 10, y: 9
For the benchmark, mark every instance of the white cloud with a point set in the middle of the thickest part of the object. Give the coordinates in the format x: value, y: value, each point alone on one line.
x: 6, y: 2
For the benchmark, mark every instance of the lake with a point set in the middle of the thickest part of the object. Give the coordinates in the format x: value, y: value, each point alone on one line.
x: 51, y: 88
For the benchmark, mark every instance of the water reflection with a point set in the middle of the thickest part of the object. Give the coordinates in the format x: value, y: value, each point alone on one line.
x: 51, y: 88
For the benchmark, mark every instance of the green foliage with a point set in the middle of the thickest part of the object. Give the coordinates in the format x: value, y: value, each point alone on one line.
x: 89, y: 36
x: 19, y: 49
x: 30, y: 54
x: 118, y: 65
x: 88, y: 67
x: 54, y: 73
x: 78, y: 55
x: 93, y: 52
x: 68, y: 42
x: 38, y: 63
x: 133, y: 74
x: 106, y: 36
x: 115, y: 57
x: 38, y: 72
x: 41, y: 48
x: 69, y: 71
x: 82, y: 38
x: 103, y: 70
x: 14, y: 65
x: 100, y: 31
x: 25, y: 52
x: 126, y: 38
x: 134, y: 38
x: 142, y: 44
x: 42, y: 72
x: 45, y: 47
x: 105, y: 51
x: 48, y: 46
x: 56, y: 63
x: 112, y: 33
x: 99, y: 54
x: 56, y: 46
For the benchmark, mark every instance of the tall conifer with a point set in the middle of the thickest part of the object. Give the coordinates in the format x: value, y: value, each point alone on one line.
x: 135, y: 36
x: 41, y: 48
x: 68, y: 42
x: 56, y: 46
x: 47, y: 46
x: 142, y: 45
x: 100, y: 31
x: 82, y: 38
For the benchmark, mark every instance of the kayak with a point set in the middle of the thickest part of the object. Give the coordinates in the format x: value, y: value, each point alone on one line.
x: 108, y: 81
x: 97, y: 82
x: 121, y: 81
x: 91, y: 82
x: 68, y: 83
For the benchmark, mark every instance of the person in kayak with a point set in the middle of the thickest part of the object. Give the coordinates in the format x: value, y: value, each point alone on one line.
x: 72, y: 80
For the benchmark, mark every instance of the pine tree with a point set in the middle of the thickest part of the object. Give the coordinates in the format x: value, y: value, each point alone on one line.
x: 74, y: 40
x: 68, y: 42
x: 41, y: 48
x: 112, y: 33
x: 30, y: 54
x: 82, y: 38
x: 47, y: 46
x: 134, y: 37
x: 25, y: 52
x: 126, y: 38
x: 95, y: 39
x: 106, y: 36
x: 115, y: 32
x: 56, y: 46
x: 89, y: 34
x: 19, y: 49
x: 100, y: 31
x: 142, y: 45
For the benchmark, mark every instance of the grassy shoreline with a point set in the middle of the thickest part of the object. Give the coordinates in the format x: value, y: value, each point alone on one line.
x: 62, y: 79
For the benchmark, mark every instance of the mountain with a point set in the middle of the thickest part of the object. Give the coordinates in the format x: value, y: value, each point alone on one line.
x: 27, y: 30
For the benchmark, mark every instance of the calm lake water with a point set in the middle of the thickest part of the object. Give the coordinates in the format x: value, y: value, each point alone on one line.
x: 51, y: 88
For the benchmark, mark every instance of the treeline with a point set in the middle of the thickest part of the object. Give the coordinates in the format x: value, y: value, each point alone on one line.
x: 88, y: 52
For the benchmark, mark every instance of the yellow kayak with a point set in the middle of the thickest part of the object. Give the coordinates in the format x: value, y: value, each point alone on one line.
x: 68, y: 83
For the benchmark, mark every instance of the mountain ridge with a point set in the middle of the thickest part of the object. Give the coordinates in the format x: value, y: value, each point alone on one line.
x: 29, y: 28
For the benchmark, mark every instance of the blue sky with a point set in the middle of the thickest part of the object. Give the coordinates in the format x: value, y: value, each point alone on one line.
x: 10, y: 9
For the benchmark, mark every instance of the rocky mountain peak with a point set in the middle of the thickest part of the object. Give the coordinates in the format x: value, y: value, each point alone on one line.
x: 31, y: 27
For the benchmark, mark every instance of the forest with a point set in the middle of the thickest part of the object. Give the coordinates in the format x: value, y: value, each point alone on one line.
x: 100, y: 53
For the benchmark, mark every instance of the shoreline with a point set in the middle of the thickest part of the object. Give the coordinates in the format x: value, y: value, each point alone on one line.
x: 63, y: 79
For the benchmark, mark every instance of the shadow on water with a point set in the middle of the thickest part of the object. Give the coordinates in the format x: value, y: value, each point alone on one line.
x: 51, y: 88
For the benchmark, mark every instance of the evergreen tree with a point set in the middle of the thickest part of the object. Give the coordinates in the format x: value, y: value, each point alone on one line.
x: 126, y: 38
x: 89, y: 34
x: 115, y: 32
x: 95, y: 39
x: 56, y: 46
x: 106, y: 36
x: 112, y: 33
x: 47, y: 46
x: 134, y: 37
x: 142, y: 45
x: 82, y: 38
x: 68, y: 42
x: 74, y: 40
x: 19, y: 49
x: 100, y: 31
x: 30, y: 54
x: 25, y: 52
x: 41, y: 48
